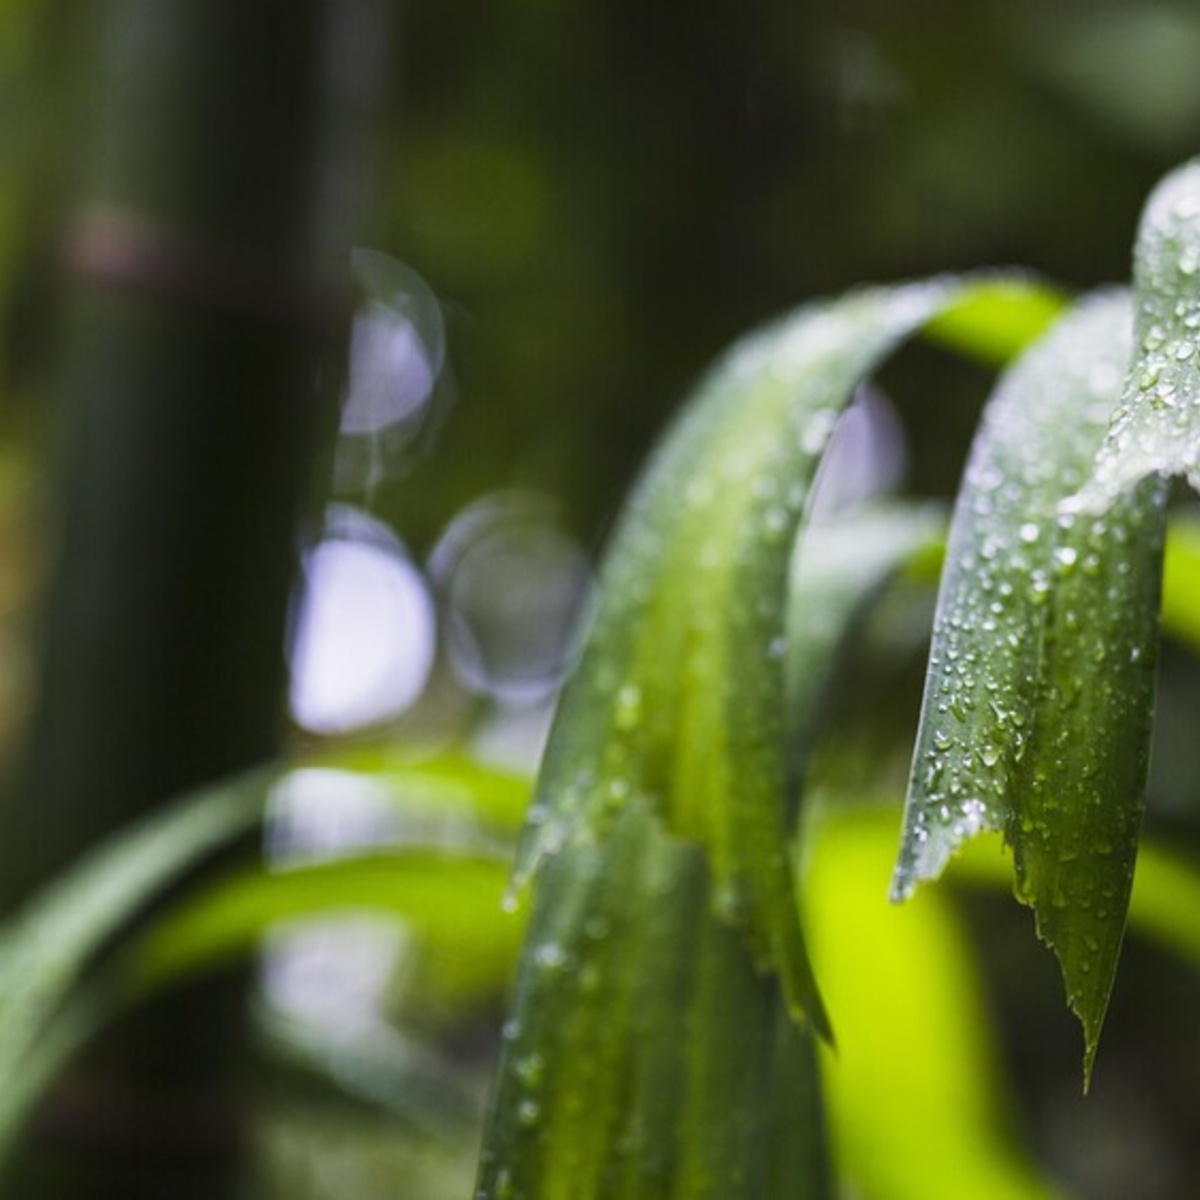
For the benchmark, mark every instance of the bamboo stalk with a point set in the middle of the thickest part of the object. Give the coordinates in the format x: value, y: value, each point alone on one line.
x: 202, y: 299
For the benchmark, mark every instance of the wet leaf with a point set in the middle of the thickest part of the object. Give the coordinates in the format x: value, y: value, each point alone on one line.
x: 1156, y: 428
x: 653, y: 1050
x: 647, y: 1056
x: 1163, y: 905
x: 1038, y: 702
x: 679, y: 700
x: 1181, y: 581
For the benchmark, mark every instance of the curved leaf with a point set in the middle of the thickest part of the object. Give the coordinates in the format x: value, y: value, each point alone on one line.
x: 1036, y: 718
x: 647, y: 1057
x: 45, y: 949
x: 1156, y: 429
x: 651, y: 1025
x: 679, y: 700
x: 996, y: 319
x: 452, y: 901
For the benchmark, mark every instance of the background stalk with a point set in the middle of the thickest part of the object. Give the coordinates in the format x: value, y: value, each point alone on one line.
x: 202, y: 304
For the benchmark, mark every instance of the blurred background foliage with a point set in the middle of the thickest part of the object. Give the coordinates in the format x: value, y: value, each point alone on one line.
x: 575, y: 205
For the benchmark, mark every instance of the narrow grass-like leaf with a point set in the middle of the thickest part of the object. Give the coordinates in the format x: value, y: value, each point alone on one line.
x: 1181, y: 581
x: 1156, y: 429
x: 447, y: 787
x: 647, y: 1053
x: 679, y: 701
x: 648, y: 1058
x: 46, y: 948
x: 1036, y: 719
x: 1163, y: 906
x: 451, y: 900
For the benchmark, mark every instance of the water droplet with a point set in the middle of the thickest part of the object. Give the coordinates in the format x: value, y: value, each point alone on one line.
x: 989, y: 754
x: 1065, y: 557
x: 550, y: 956
x: 1029, y: 533
x: 528, y: 1112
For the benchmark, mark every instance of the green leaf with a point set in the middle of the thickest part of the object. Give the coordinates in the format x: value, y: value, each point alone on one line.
x: 46, y: 947
x: 448, y: 786
x: 1037, y: 710
x: 1181, y: 581
x: 917, y: 1050
x: 452, y: 901
x: 996, y: 320
x: 652, y: 1050
x: 679, y: 701
x: 1156, y: 429
x: 1163, y: 905
x: 647, y: 1056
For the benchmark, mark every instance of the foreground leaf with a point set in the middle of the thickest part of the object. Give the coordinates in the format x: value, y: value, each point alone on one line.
x: 1156, y: 429
x: 647, y: 1057
x: 679, y: 701
x: 1037, y: 711
x: 663, y: 898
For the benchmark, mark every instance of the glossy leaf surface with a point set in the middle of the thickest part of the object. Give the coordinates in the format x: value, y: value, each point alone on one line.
x: 664, y: 953
x: 1036, y: 719
x: 679, y: 701
x: 1156, y: 429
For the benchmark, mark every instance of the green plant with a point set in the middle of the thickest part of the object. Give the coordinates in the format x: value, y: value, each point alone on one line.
x: 662, y: 1033
x: 705, y: 859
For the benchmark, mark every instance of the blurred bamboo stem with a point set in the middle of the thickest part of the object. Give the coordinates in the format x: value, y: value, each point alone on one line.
x: 202, y: 292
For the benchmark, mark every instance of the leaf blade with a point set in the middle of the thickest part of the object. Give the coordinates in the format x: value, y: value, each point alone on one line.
x: 1156, y: 428
x: 1036, y: 717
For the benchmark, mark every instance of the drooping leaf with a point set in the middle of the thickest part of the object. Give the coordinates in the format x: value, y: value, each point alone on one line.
x: 663, y: 896
x: 679, y: 700
x: 1163, y: 906
x: 995, y: 320
x: 1036, y: 718
x: 1156, y: 428
x: 647, y: 1057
